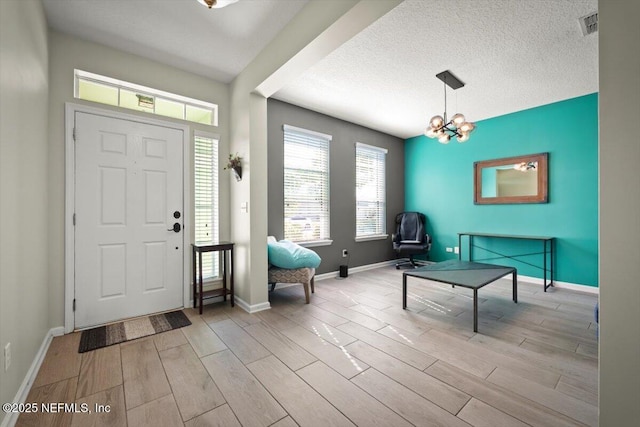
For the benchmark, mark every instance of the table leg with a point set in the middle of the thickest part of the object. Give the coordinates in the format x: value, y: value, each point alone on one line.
x: 224, y: 275
x: 404, y: 291
x: 193, y: 264
x: 475, y: 310
x: 551, y: 262
x: 544, y: 265
x: 200, y: 282
x: 515, y: 286
x: 231, y: 277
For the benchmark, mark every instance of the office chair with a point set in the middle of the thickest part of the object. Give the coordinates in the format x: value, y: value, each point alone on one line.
x: 411, y: 238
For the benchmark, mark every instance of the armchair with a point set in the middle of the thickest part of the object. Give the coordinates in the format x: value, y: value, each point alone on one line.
x: 410, y: 238
x: 290, y: 268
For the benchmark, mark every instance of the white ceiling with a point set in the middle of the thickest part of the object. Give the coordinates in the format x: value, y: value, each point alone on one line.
x: 216, y: 43
x: 512, y: 54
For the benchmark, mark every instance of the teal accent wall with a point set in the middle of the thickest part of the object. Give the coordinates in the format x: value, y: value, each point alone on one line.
x: 489, y: 182
x: 439, y: 183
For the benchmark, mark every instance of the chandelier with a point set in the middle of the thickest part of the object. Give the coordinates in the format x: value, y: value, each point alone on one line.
x: 443, y: 129
x: 216, y: 4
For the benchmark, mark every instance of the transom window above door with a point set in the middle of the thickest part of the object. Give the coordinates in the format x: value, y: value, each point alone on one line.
x: 106, y: 90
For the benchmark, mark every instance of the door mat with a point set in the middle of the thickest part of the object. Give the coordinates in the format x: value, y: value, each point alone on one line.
x: 128, y: 330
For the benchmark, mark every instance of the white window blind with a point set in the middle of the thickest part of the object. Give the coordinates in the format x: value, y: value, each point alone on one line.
x: 370, y: 191
x: 206, y: 199
x: 306, y: 185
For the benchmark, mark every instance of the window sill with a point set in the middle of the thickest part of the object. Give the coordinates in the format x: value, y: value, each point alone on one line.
x: 372, y: 237
x: 315, y: 243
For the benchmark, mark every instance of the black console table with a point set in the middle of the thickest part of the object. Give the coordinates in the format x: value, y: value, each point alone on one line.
x: 198, y: 294
x: 547, y: 251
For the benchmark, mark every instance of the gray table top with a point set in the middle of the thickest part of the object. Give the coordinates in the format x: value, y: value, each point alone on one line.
x: 505, y: 236
x: 466, y: 274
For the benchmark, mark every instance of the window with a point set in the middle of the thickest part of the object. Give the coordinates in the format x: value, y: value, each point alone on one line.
x: 105, y: 90
x: 370, y: 192
x: 206, y: 198
x: 306, y: 185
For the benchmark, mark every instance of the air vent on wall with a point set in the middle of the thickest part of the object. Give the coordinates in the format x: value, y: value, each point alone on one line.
x: 589, y: 23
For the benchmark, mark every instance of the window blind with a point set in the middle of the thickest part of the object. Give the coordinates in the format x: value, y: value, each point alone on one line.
x: 306, y: 185
x: 206, y: 199
x: 370, y: 190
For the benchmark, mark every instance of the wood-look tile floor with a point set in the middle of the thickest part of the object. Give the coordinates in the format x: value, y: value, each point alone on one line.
x: 351, y: 357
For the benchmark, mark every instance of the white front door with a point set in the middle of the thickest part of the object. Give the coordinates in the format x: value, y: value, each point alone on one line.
x: 128, y: 193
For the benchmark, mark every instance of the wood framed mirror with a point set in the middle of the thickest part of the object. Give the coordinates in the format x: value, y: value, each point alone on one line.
x: 521, y: 179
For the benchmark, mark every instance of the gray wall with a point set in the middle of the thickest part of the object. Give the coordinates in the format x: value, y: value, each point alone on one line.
x: 342, y: 185
x: 24, y: 281
x: 619, y: 213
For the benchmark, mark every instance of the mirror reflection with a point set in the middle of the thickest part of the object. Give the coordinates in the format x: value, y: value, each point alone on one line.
x: 521, y: 179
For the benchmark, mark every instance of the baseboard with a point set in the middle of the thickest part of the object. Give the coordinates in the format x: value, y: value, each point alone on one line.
x: 358, y: 269
x: 562, y: 285
x: 241, y: 303
x: 252, y: 308
x: 21, y: 396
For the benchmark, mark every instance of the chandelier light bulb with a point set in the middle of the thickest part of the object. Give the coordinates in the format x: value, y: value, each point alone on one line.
x: 445, y: 138
x: 457, y: 119
x: 429, y: 132
x: 436, y: 122
x: 467, y: 127
x: 463, y: 137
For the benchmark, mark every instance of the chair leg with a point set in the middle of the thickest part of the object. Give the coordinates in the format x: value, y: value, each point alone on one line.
x: 306, y: 292
x: 273, y: 286
x: 404, y: 263
x: 313, y: 285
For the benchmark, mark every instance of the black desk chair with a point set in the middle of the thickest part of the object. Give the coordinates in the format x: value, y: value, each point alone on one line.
x: 411, y: 238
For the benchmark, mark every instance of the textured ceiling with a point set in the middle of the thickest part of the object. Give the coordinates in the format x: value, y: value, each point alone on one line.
x: 217, y: 43
x: 511, y: 54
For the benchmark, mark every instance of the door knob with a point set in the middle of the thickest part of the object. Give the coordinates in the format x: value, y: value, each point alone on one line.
x: 176, y: 228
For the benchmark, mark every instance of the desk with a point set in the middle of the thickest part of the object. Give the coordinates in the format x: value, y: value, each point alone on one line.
x: 472, y: 275
x: 546, y: 241
x: 198, y: 294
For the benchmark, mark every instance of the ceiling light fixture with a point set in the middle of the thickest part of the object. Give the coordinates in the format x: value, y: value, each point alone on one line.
x: 216, y: 4
x: 458, y: 126
x: 524, y: 166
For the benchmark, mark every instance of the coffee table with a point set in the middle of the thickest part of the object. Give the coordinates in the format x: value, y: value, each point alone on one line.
x: 467, y: 274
